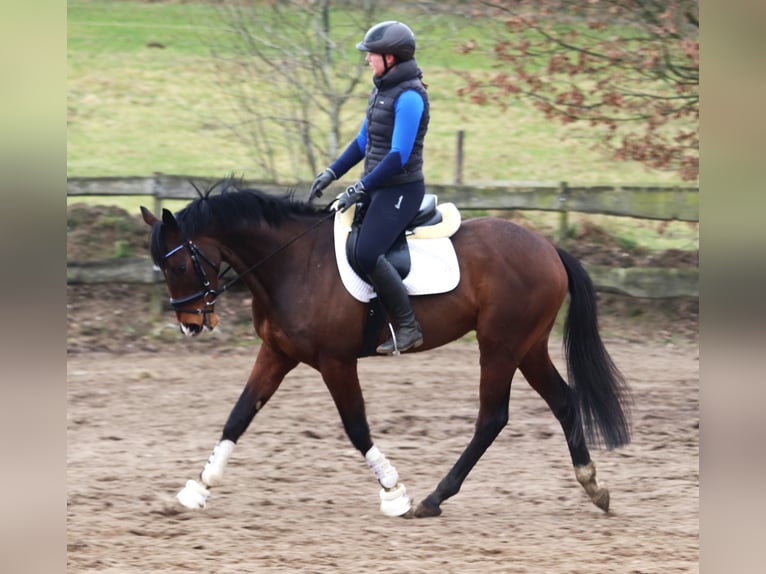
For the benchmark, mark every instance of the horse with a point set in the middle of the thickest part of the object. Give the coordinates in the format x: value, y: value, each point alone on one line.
x: 512, y: 285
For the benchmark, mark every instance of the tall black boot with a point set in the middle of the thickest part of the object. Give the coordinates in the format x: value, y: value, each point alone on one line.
x: 389, y: 287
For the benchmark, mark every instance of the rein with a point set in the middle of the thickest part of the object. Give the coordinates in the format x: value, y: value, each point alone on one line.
x: 208, y: 294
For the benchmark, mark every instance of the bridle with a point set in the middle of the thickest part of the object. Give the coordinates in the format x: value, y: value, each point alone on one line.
x: 206, y: 291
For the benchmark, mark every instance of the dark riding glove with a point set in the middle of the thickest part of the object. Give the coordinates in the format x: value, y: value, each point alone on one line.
x: 352, y: 195
x: 320, y: 182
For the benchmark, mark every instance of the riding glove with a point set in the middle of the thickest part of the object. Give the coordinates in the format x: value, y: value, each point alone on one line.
x: 320, y: 182
x: 353, y: 194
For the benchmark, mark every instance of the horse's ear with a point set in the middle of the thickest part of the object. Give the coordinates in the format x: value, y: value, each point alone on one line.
x: 148, y: 216
x: 169, y: 220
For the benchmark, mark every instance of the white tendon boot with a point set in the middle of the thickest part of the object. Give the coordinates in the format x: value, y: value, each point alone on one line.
x: 212, y: 474
x: 194, y: 495
x: 393, y: 496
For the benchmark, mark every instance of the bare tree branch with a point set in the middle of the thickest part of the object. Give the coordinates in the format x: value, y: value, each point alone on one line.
x: 287, y: 66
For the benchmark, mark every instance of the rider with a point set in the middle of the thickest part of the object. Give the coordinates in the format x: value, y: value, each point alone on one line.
x: 391, y: 143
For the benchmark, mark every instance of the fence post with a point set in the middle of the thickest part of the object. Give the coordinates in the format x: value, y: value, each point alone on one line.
x: 158, y: 291
x: 459, y: 158
x: 563, y: 214
x: 156, y: 191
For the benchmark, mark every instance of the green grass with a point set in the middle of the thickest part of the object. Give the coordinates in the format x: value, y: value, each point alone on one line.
x: 134, y: 110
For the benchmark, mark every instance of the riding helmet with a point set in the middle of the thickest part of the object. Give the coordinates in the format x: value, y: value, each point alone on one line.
x: 390, y: 37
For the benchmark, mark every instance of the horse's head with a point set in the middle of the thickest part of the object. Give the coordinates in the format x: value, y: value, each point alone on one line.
x: 191, y: 270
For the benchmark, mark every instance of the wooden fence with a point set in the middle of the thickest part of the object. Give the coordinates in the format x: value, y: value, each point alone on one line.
x: 658, y: 203
x: 663, y: 203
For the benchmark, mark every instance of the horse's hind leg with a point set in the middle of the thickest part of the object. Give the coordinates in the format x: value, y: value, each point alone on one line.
x: 268, y: 372
x: 494, y: 394
x: 542, y: 376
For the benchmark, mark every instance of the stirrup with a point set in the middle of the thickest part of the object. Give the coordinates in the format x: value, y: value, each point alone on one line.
x: 391, y: 346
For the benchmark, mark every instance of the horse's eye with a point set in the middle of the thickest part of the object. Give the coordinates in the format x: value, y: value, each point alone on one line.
x: 179, y: 269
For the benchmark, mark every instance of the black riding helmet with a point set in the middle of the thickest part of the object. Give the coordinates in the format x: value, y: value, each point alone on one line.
x: 390, y: 37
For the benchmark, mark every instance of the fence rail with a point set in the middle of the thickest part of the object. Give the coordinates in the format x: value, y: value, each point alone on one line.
x: 643, y: 282
x: 659, y: 203
x: 645, y: 202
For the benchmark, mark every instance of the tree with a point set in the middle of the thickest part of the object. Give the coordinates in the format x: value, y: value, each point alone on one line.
x: 291, y: 67
x: 290, y: 74
x: 627, y: 68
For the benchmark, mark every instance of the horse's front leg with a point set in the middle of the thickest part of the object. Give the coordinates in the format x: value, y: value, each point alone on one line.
x: 342, y: 381
x: 268, y: 372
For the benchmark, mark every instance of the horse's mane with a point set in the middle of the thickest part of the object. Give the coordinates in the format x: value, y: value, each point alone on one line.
x: 230, y: 208
x: 234, y: 206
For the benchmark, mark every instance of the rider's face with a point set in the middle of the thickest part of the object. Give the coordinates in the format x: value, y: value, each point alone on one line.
x: 376, y: 63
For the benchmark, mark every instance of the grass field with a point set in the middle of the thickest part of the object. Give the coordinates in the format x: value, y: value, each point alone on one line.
x: 135, y: 108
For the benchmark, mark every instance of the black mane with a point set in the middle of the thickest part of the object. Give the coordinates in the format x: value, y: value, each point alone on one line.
x: 230, y: 209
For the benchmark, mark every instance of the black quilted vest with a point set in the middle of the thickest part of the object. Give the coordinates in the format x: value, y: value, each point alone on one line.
x: 380, y: 120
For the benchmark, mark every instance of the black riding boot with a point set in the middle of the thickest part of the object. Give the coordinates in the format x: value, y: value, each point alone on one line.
x: 389, y: 287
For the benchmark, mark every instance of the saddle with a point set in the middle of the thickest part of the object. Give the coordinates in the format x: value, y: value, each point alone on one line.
x: 427, y: 235
x: 431, y: 221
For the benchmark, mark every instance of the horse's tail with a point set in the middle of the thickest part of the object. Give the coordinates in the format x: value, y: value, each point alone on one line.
x: 599, y: 387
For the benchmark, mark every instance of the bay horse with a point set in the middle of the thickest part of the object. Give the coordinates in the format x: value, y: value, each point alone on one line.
x: 512, y: 284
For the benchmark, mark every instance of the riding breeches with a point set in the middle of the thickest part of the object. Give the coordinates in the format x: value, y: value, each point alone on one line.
x: 389, y: 212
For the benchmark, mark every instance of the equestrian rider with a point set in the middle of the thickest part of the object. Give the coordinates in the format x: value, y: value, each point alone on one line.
x: 391, y: 143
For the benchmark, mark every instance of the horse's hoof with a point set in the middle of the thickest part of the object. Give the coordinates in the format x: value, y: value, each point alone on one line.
x: 427, y: 510
x: 601, y: 499
x: 586, y: 476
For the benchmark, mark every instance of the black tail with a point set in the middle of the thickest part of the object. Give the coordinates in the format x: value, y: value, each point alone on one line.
x: 599, y: 387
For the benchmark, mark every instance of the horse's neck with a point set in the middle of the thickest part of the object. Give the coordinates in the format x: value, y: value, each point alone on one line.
x: 268, y: 261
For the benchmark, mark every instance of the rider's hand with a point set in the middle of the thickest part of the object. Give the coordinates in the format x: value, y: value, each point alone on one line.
x: 352, y: 195
x: 320, y: 182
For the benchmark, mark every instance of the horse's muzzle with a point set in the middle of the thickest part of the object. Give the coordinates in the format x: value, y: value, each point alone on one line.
x: 192, y: 324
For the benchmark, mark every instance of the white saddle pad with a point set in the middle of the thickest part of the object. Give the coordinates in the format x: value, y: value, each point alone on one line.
x: 434, y: 267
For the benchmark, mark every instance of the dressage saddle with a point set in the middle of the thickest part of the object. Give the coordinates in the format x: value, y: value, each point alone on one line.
x: 399, y: 254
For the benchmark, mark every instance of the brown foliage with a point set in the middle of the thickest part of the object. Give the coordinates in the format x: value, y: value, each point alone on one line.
x: 627, y: 68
